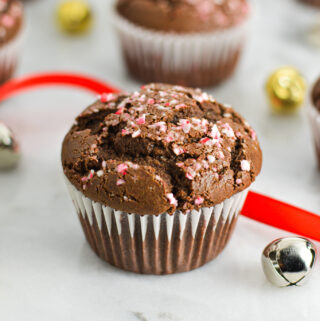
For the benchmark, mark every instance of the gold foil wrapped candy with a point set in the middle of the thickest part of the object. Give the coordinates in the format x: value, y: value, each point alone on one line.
x: 286, y: 90
x: 74, y: 16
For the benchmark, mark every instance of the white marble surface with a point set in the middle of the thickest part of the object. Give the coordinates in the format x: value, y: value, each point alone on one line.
x: 48, y: 272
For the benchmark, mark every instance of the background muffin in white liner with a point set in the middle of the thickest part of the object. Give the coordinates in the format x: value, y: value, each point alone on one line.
x: 159, y: 176
x: 314, y: 117
x: 11, y: 25
x: 192, y: 43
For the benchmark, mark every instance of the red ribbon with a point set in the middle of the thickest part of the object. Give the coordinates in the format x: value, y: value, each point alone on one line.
x: 257, y: 207
x: 15, y: 86
x: 281, y: 215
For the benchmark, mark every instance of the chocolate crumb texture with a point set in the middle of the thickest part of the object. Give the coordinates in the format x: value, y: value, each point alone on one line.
x: 162, y: 149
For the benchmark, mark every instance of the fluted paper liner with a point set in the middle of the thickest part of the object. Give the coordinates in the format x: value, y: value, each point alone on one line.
x: 197, y: 60
x: 9, y: 54
x: 314, y: 117
x: 161, y: 244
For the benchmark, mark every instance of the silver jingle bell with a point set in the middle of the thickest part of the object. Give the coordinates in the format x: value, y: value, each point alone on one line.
x: 288, y: 261
x: 9, y: 149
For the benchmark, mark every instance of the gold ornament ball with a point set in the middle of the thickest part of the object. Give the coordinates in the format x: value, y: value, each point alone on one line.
x: 74, y: 16
x: 286, y: 90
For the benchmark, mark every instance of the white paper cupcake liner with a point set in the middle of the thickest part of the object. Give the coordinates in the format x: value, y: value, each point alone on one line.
x: 9, y: 55
x: 197, y: 60
x: 161, y: 244
x: 314, y: 117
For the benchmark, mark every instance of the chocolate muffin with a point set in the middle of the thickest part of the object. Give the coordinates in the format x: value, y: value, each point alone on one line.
x: 159, y: 176
x: 11, y: 23
x: 188, y: 42
x: 312, y: 2
x: 314, y: 116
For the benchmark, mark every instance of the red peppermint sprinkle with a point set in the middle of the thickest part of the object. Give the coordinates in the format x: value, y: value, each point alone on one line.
x: 178, y: 150
x: 7, y: 20
x: 161, y: 125
x: 84, y: 179
x: 190, y: 174
x: 228, y: 130
x: 180, y: 164
x: 150, y: 101
x: 239, y: 181
x: 132, y: 124
x: 211, y: 159
x: 100, y: 173
x: 185, y: 125
x: 136, y: 94
x: 205, y: 164
x: 120, y: 182
x: 106, y: 97
x: 173, y: 102
x: 136, y: 133
x: 199, y: 200
x: 121, y: 168
x: 124, y: 132
x: 131, y: 165
x: 197, y: 166
x: 180, y: 106
x: 214, y: 133
x: 142, y: 98
x: 91, y: 174
x: 205, y: 140
x: 141, y: 120
x: 172, y: 199
x: 245, y: 165
x: 196, y: 121
x: 119, y: 111
x: 169, y: 139
x: 204, y: 97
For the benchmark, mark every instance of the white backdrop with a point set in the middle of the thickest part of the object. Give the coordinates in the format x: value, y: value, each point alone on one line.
x: 48, y: 272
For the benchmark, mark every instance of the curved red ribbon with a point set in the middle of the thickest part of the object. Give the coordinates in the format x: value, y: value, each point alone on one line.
x: 257, y: 207
x: 15, y: 86
x: 281, y: 215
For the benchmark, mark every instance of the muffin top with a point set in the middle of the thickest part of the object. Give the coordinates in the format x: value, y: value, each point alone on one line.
x: 184, y: 16
x: 315, y: 95
x: 162, y: 149
x: 11, y: 19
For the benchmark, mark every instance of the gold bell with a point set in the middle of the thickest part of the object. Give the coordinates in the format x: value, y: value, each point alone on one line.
x: 74, y: 16
x: 286, y: 90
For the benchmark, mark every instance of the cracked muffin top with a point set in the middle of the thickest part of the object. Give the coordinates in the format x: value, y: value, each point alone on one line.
x: 184, y: 16
x: 162, y: 149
